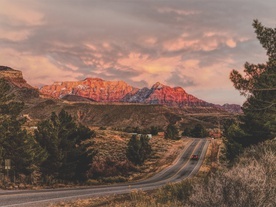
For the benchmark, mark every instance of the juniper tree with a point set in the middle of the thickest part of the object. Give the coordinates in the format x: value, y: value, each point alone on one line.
x: 259, y: 86
x: 62, y: 138
x: 15, y: 143
x: 138, y: 149
x: 172, y: 132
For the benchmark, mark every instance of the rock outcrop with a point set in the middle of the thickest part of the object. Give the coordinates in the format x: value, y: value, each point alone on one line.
x: 19, y: 86
x: 14, y: 76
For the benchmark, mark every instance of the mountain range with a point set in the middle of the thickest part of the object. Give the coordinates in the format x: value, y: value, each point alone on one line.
x: 99, y: 90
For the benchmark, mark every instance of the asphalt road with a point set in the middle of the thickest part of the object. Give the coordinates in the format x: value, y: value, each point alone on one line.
x: 182, y: 168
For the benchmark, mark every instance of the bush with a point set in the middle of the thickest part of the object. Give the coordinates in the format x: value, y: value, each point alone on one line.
x: 138, y: 149
x: 199, y: 131
x: 153, y: 130
x: 172, y: 132
x: 92, y: 182
x: 175, y: 192
x: 102, y: 128
x: 116, y: 179
x: 187, y: 132
x: 110, y: 167
x: 251, y: 182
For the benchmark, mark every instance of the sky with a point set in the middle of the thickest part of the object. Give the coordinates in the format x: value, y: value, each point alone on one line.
x: 194, y: 44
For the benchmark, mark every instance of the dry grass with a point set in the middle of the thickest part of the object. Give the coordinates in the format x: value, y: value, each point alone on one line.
x: 211, y: 162
x: 111, y: 143
x: 111, y: 147
x: 250, y: 182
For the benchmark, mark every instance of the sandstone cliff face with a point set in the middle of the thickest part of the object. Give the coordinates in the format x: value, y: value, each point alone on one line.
x: 14, y: 76
x: 165, y: 95
x: 176, y: 96
x: 19, y: 86
x: 118, y: 91
x: 92, y: 88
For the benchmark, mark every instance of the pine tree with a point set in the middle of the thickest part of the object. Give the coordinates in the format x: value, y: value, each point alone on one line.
x: 172, y: 132
x: 199, y: 131
x: 68, y: 158
x: 154, y: 130
x: 187, y: 132
x: 259, y: 86
x: 138, y: 149
x: 15, y: 143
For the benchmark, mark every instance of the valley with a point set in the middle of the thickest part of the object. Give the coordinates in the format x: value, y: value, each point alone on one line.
x: 182, y: 168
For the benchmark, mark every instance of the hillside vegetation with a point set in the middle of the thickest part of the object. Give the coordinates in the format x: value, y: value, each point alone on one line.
x: 133, y: 115
x: 250, y: 182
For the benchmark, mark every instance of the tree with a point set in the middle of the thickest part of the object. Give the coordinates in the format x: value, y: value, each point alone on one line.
x: 172, y: 132
x: 199, y: 131
x: 15, y: 143
x: 138, y: 149
x: 259, y: 86
x: 63, y: 139
x: 154, y: 130
x: 187, y: 132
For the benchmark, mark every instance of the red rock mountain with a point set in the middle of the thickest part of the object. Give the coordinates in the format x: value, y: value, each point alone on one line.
x: 165, y: 95
x: 119, y: 91
x: 96, y: 89
x: 92, y: 88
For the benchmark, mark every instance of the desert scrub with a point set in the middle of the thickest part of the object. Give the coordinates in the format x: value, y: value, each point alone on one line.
x: 115, y: 179
x: 178, y: 192
x: 250, y: 182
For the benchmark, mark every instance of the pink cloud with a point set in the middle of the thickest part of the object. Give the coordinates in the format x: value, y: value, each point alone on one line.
x: 37, y: 70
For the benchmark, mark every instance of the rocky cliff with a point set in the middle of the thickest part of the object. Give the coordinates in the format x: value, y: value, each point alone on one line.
x: 19, y: 86
x: 14, y: 76
x: 92, y: 88
x: 118, y: 91
x: 165, y: 95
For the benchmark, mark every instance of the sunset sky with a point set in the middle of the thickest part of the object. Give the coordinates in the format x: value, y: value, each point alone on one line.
x: 189, y: 43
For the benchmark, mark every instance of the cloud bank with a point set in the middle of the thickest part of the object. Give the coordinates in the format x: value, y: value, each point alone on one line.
x: 192, y: 44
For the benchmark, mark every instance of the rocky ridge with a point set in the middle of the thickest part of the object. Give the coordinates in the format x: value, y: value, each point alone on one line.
x: 165, y: 95
x: 92, y: 88
x: 118, y: 91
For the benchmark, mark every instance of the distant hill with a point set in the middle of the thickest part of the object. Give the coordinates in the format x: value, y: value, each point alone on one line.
x: 231, y: 108
x: 75, y: 98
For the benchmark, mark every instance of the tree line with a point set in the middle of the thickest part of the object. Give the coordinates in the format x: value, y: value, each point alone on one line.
x: 56, y: 150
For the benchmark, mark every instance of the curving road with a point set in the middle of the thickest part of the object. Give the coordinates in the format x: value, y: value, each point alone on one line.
x: 182, y: 168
